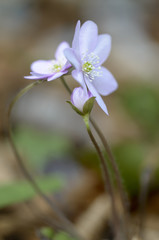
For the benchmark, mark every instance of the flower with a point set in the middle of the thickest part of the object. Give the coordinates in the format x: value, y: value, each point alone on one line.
x: 51, y: 69
x: 89, y: 51
x: 82, y: 101
x: 79, y: 97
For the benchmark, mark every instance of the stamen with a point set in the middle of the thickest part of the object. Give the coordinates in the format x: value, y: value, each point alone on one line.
x: 89, y: 67
x: 55, y: 66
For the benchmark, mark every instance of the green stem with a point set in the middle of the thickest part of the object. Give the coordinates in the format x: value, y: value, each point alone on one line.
x: 123, y: 195
x: 124, y: 198
x: 68, y: 225
x: 65, y: 85
x: 20, y: 94
x: 106, y: 176
x: 144, y: 189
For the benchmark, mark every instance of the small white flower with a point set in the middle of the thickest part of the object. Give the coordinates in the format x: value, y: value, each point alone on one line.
x: 51, y: 69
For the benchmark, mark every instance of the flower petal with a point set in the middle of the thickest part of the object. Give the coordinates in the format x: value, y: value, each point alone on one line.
x: 56, y: 75
x: 88, y: 37
x: 66, y: 66
x: 103, y: 47
x: 106, y: 83
x: 75, y: 42
x: 79, y: 98
x: 41, y: 67
x: 34, y: 77
x: 78, y: 76
x: 59, y: 54
x: 95, y: 94
x: 72, y: 58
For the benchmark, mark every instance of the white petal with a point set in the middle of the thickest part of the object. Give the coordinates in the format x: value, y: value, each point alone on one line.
x: 59, y: 54
x: 75, y: 42
x: 32, y: 77
x: 88, y: 37
x: 79, y: 97
x: 103, y: 47
x: 41, y: 67
x: 96, y: 94
x: 78, y: 76
x: 56, y: 75
x: 72, y: 58
x: 106, y: 83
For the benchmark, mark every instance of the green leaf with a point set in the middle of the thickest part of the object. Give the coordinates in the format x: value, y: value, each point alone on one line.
x: 87, y: 108
x: 63, y: 236
x: 22, y: 190
x: 47, y: 232
x: 52, y: 235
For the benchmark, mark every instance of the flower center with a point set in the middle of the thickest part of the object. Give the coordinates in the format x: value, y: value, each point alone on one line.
x: 90, y: 66
x: 57, y: 67
x: 87, y: 67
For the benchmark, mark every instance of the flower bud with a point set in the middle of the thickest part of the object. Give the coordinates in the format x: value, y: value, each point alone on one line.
x: 81, y: 101
x: 79, y: 98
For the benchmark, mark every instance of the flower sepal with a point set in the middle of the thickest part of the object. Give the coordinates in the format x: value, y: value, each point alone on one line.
x: 75, y: 108
x: 87, y: 108
x: 81, y: 101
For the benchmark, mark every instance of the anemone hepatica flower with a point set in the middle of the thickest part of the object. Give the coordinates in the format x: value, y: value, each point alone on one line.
x: 51, y: 69
x: 89, y: 51
x: 79, y: 97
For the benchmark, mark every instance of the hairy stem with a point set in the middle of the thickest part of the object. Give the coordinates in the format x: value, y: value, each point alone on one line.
x: 123, y: 195
x: 112, y: 160
x: 106, y: 176
x: 144, y: 188
x: 66, y: 223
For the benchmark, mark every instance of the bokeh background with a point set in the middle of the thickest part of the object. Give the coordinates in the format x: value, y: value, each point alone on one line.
x: 49, y: 135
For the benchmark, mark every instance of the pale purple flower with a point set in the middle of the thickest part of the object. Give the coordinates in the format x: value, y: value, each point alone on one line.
x: 89, y: 51
x: 79, y: 97
x: 51, y: 69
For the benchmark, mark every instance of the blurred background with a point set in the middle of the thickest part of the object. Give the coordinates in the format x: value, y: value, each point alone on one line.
x: 50, y: 137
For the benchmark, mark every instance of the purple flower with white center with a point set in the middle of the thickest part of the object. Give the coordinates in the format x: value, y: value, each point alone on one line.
x: 89, y: 51
x: 51, y: 69
x: 79, y: 97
